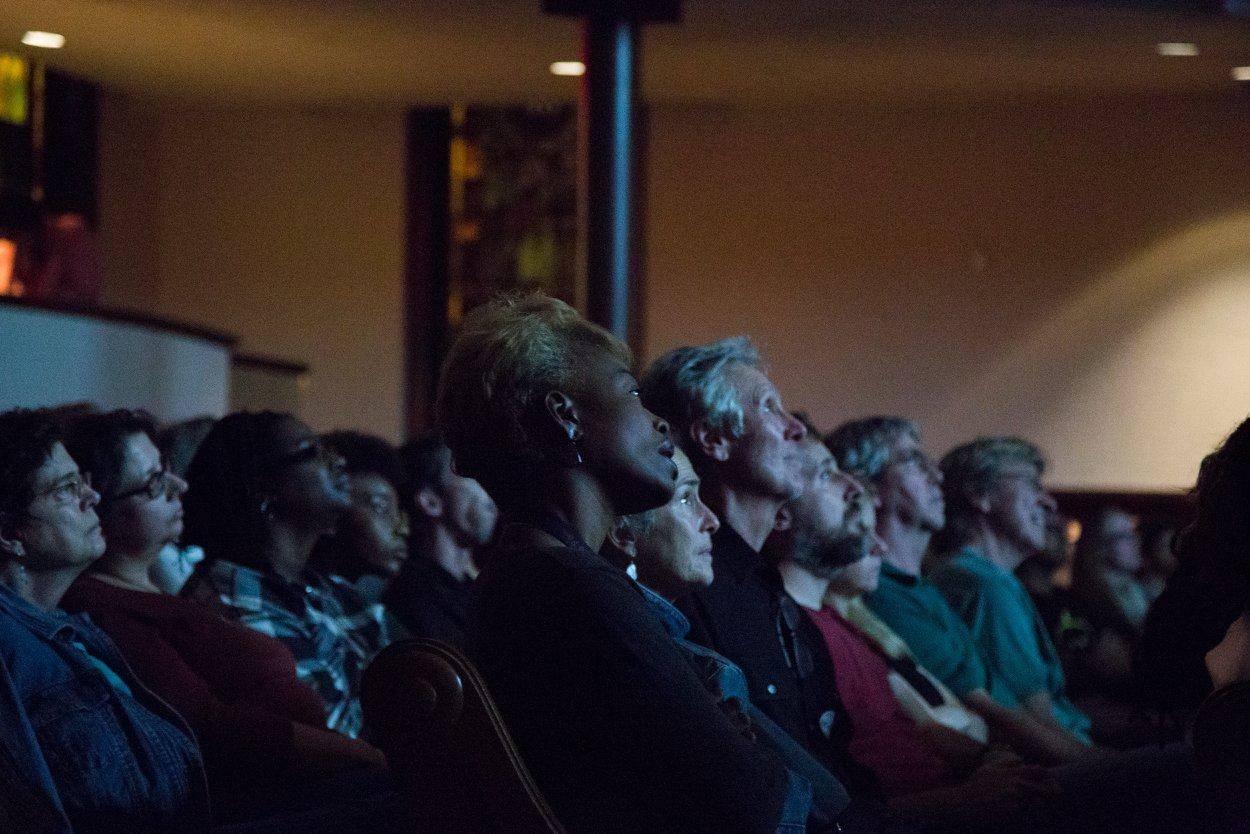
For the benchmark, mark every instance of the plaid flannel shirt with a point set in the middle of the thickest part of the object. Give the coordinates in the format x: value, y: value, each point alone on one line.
x: 330, y: 629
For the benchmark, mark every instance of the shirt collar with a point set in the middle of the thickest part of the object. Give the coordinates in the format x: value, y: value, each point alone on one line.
x: 731, y: 555
x: 888, y: 571
x: 973, y: 560
x: 675, y: 623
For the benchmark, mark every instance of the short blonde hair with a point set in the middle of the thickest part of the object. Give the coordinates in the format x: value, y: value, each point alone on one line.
x: 509, y: 354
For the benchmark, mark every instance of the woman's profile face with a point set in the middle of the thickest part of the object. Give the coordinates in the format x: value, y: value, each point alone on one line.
x: 147, y: 514
x: 625, y: 445
x: 307, y: 482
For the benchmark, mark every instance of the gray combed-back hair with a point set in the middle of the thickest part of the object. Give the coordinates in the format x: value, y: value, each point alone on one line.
x: 688, y: 385
x: 862, y: 447
x: 971, y: 470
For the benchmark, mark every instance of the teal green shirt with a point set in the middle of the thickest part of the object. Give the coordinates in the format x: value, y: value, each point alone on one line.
x: 918, y: 613
x: 1009, y: 632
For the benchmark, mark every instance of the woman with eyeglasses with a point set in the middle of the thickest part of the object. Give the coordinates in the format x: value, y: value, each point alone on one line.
x: 264, y: 490
x: 261, y: 728
x: 84, y: 745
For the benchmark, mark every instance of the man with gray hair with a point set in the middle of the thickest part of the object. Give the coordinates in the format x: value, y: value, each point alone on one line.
x: 885, y: 453
x: 727, y: 415
x: 997, y: 514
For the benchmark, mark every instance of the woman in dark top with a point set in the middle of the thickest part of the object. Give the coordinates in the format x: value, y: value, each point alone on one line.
x: 1210, y: 588
x: 541, y: 408
x: 1197, y: 639
x: 260, y: 727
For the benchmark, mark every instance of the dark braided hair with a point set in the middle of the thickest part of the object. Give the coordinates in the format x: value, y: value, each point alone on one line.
x: 1218, y: 538
x: 1211, y: 585
x: 26, y: 440
x: 222, y: 504
x: 97, y: 443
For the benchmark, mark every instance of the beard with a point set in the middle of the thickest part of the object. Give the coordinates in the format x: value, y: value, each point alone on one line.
x: 824, y: 554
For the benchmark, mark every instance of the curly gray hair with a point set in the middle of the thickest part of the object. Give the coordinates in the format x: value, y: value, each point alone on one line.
x: 862, y: 447
x: 688, y: 385
x: 971, y: 470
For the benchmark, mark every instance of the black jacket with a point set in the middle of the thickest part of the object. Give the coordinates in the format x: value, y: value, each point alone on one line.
x: 430, y: 602
x: 610, y: 718
x: 788, y: 669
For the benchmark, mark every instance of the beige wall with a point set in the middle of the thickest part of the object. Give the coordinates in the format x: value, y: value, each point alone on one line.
x: 1078, y: 274
x: 282, y: 227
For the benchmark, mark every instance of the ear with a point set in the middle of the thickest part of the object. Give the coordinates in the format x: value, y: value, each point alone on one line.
x: 10, y: 547
x: 430, y: 502
x: 623, y: 539
x: 981, y: 502
x: 785, y: 518
x: 561, y: 408
x: 713, y: 443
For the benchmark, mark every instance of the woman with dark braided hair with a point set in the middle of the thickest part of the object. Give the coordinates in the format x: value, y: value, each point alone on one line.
x: 263, y: 490
x: 1197, y: 636
x: 1210, y: 587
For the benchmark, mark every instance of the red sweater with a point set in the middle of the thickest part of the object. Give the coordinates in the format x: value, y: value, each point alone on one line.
x: 884, y: 738
x: 236, y: 687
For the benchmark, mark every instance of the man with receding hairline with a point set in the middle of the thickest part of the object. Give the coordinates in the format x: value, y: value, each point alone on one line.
x: 728, y: 416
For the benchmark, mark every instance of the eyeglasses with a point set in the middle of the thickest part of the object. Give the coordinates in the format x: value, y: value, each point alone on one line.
x: 157, y: 485
x: 73, y: 488
x: 798, y: 653
x: 310, y: 449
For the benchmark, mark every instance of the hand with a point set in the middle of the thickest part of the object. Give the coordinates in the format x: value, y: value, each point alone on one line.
x: 737, y: 716
x: 1230, y: 660
x: 1003, y: 788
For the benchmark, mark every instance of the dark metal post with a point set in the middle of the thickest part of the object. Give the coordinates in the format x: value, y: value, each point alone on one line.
x: 611, y: 69
x: 613, y: 30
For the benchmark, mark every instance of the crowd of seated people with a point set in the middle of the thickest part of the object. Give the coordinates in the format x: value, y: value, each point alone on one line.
x: 693, y: 610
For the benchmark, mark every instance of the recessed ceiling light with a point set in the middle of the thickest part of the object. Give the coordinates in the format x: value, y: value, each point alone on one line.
x: 44, y: 40
x: 568, y: 68
x: 1177, y: 50
x: 1241, y: 73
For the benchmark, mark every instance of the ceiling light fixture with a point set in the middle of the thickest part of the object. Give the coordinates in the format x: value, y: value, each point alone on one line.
x: 1241, y: 73
x: 570, y: 69
x: 44, y: 40
x: 1177, y: 50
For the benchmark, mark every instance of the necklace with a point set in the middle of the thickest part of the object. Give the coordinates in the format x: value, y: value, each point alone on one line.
x: 118, y: 582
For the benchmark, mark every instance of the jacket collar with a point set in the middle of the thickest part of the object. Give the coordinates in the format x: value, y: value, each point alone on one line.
x: 675, y: 622
x: 54, y: 624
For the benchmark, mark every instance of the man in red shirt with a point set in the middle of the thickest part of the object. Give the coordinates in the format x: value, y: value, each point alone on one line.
x: 936, y: 776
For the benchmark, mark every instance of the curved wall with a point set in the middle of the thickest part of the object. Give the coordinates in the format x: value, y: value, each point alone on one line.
x: 1074, y: 272
x: 52, y: 357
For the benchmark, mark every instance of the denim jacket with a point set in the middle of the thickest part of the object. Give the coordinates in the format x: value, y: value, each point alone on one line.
x: 814, y: 789
x: 78, y: 752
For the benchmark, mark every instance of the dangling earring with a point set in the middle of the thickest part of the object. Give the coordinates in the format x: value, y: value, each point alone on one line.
x: 266, y: 510
x: 13, y: 574
x: 574, y: 436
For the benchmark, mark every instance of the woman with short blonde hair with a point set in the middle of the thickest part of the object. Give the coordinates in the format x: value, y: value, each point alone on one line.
x: 542, y: 409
